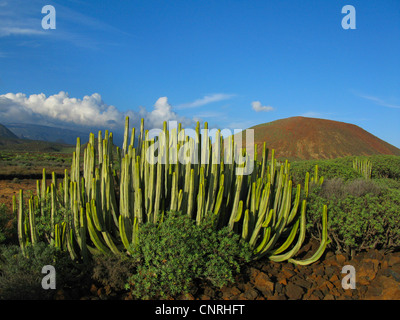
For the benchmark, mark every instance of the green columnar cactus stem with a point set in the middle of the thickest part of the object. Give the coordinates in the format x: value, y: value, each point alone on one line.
x: 296, y: 204
x: 280, y: 222
x: 43, y: 193
x: 265, y: 239
x: 132, y: 142
x: 264, y: 161
x: 21, y: 219
x: 315, y: 178
x: 200, y: 204
x: 265, y: 200
x: 324, y: 241
x: 76, y: 224
x: 272, y: 167
x: 53, y: 209
x: 220, y: 195
x: 57, y: 236
x: 190, y: 203
x: 125, y: 233
x: 141, y: 136
x: 158, y: 199
x: 239, y: 181
x: 96, y: 218
x: 77, y: 167
x: 70, y: 245
x: 245, y: 229
x: 83, y: 227
x: 174, y: 193
x: 286, y: 244
x: 275, y: 256
x: 126, y: 134
x: 306, y: 184
x: 32, y: 224
x: 94, y: 234
x: 100, y: 147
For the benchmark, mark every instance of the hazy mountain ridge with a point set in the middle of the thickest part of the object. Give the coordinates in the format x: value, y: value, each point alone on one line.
x: 295, y: 138
x: 54, y: 134
x: 6, y: 133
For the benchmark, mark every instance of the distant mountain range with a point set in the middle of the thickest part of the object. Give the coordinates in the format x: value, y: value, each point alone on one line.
x: 6, y: 133
x: 295, y: 138
x: 53, y: 134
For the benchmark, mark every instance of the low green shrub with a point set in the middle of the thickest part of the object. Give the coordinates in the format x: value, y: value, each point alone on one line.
x: 329, y: 169
x: 21, y: 277
x: 388, y: 183
x: 173, y: 254
x: 8, y: 226
x: 385, y: 166
x: 368, y: 220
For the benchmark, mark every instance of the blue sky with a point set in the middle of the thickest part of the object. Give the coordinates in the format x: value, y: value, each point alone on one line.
x: 232, y: 63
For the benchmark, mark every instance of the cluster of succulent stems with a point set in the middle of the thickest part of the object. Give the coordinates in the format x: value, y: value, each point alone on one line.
x: 363, y: 167
x: 108, y: 193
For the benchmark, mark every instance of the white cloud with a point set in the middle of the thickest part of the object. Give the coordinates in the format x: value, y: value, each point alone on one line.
x: 90, y: 111
x: 21, y: 18
x: 162, y: 112
x: 258, y: 107
x: 10, y: 31
x: 205, y: 100
x: 379, y: 101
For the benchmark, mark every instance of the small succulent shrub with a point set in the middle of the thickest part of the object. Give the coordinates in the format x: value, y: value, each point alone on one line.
x: 173, y: 254
x: 388, y: 183
x: 362, y: 187
x: 364, y: 217
x: 385, y: 166
x: 44, y: 221
x: 8, y: 226
x: 21, y: 275
x: 338, y: 188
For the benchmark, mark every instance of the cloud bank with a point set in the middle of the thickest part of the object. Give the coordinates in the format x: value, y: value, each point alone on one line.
x: 258, y: 107
x: 90, y: 111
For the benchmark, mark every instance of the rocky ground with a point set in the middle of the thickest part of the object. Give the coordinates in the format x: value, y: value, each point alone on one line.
x: 377, y: 278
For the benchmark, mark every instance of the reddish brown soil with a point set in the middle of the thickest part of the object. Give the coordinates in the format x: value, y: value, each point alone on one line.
x: 8, y: 188
x: 310, y: 138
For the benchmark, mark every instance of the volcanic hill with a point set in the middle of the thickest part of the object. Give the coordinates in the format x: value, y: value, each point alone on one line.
x: 301, y: 138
